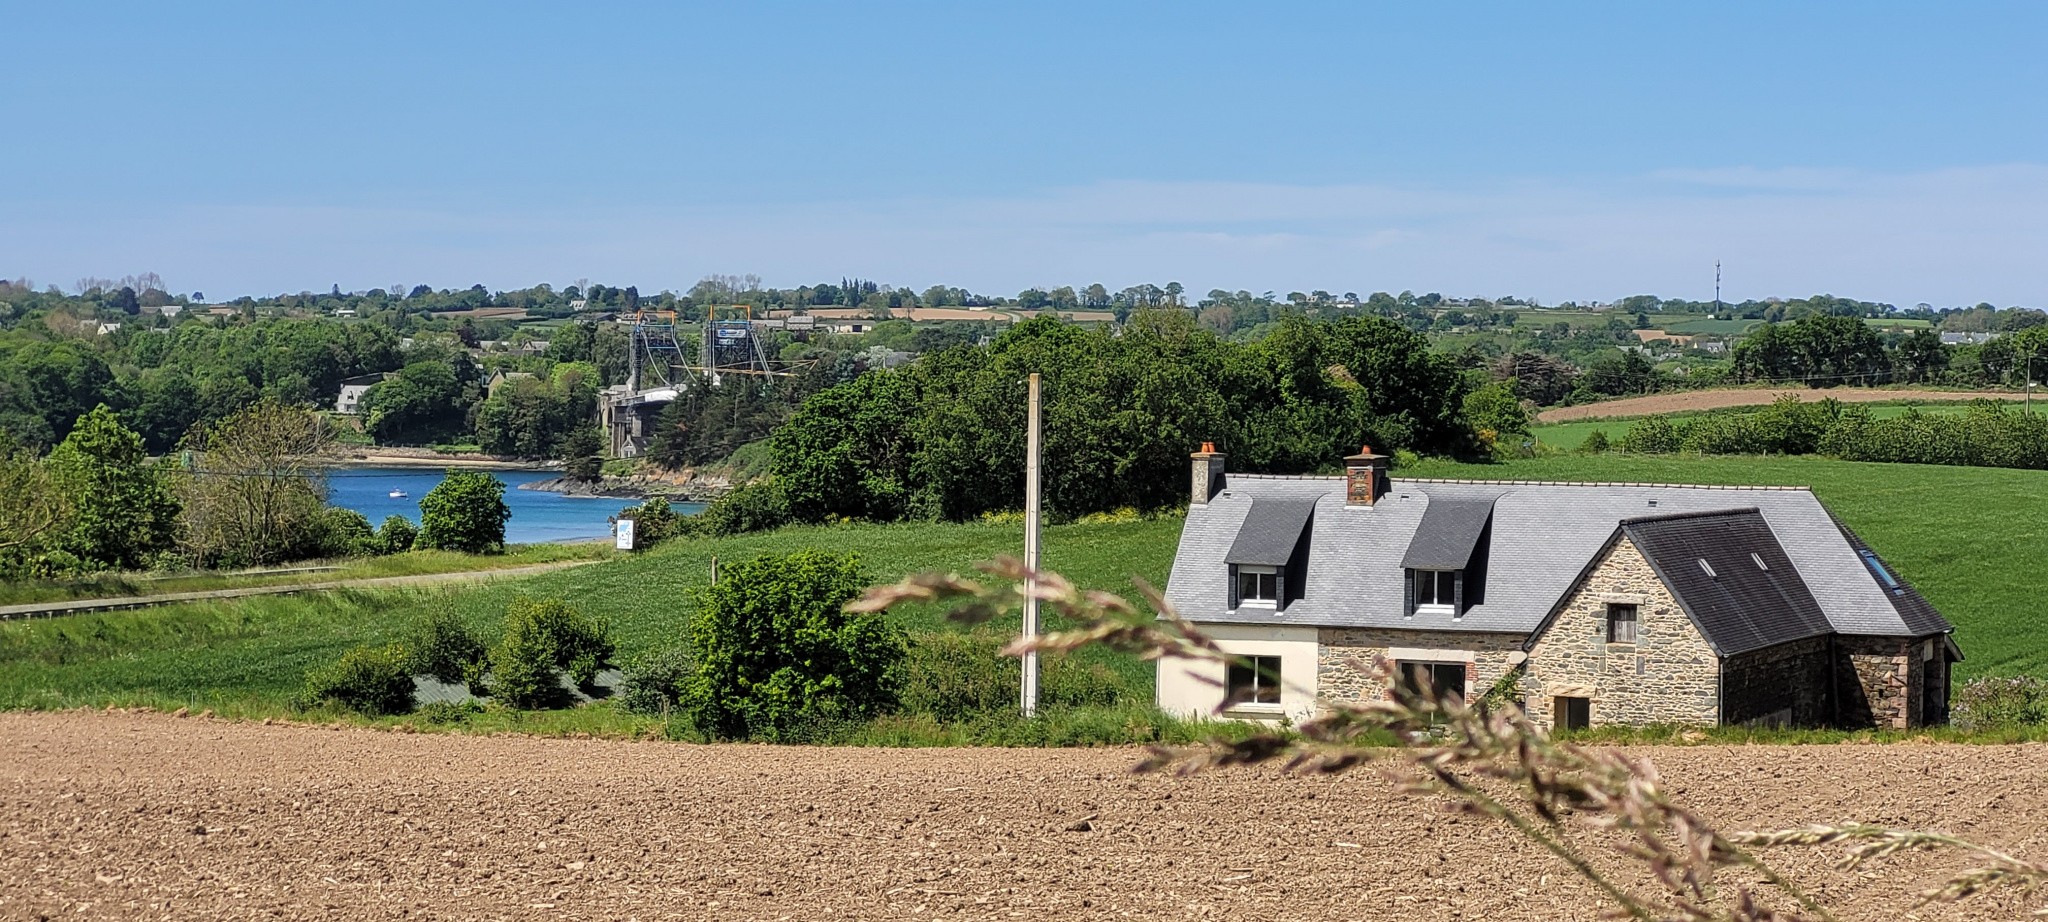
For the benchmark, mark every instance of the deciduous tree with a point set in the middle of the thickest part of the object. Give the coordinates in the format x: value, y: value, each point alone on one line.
x: 122, y: 510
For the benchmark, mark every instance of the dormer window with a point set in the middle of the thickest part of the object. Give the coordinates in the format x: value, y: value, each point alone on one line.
x: 1436, y: 592
x: 1269, y: 559
x: 1258, y: 587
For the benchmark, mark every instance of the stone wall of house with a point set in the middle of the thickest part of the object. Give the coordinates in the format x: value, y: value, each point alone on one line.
x: 1668, y: 676
x: 1879, y: 681
x: 1785, y: 685
x: 1346, y: 657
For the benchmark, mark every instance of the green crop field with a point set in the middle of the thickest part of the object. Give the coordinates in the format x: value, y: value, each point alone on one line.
x: 1702, y: 326
x: 1969, y: 538
x: 1536, y: 318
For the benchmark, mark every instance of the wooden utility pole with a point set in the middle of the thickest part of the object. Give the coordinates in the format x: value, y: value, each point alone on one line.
x: 1031, y: 446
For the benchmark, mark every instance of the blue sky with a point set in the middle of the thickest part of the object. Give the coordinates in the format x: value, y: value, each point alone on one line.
x: 1589, y: 151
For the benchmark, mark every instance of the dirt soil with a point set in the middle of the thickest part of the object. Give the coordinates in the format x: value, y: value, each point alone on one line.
x: 1713, y: 400
x: 126, y: 816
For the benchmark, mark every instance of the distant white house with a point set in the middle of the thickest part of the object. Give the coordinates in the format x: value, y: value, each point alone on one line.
x: 345, y: 312
x: 1967, y: 339
x: 352, y: 391
x: 106, y: 329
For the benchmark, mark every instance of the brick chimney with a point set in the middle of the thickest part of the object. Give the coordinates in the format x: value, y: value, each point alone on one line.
x: 1365, y: 476
x: 1208, y: 475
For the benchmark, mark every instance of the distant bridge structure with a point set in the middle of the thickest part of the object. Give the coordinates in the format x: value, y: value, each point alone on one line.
x: 658, y: 371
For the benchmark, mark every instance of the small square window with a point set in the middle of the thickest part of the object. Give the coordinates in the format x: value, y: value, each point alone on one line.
x: 1571, y: 713
x: 1621, y: 623
x: 1258, y: 587
x: 1253, y: 680
x: 1436, y: 590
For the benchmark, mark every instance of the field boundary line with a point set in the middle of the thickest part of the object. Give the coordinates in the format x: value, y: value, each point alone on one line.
x: 57, y: 608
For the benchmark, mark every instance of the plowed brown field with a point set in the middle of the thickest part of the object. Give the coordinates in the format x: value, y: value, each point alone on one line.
x: 116, y: 816
x: 1688, y: 401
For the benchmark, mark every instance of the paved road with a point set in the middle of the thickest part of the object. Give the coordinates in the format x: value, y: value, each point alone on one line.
x: 78, y: 606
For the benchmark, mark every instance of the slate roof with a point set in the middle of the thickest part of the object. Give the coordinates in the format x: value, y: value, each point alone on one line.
x: 1448, y: 531
x: 1271, y: 531
x: 1731, y: 576
x: 1914, y: 609
x: 1543, y: 537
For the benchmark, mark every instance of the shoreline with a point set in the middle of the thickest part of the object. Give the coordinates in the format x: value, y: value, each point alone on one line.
x: 452, y: 461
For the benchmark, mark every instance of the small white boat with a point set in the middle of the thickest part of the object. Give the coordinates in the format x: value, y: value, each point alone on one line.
x: 398, y: 494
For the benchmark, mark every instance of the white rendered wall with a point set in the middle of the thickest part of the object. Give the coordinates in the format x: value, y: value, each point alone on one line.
x: 1183, y: 694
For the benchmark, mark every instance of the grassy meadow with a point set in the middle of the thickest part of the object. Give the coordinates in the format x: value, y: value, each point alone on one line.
x: 1967, y: 537
x: 411, y: 563
x: 248, y: 657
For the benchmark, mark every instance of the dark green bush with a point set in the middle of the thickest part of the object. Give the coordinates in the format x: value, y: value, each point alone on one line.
x: 653, y: 521
x: 2001, y: 702
x: 757, y: 506
x: 346, y: 533
x: 779, y: 657
x: 397, y: 534
x: 1651, y: 435
x: 1987, y: 435
x: 465, y: 512
x: 1595, y: 443
x: 656, y: 684
x: 441, y: 646
x: 541, y: 639
x: 369, y: 680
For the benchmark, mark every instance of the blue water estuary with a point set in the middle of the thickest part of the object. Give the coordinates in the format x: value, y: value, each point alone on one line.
x: 536, y: 516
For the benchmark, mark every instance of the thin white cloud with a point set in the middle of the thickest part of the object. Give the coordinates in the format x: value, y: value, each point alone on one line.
x: 1945, y: 236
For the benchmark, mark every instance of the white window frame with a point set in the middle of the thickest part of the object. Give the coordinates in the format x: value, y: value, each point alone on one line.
x: 1437, y: 580
x: 1244, y: 601
x: 1278, y: 687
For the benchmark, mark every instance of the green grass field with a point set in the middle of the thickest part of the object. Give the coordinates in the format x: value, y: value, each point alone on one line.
x: 1571, y: 435
x: 1536, y: 318
x: 1702, y: 326
x: 248, y: 657
x: 412, y: 563
x: 1969, y: 538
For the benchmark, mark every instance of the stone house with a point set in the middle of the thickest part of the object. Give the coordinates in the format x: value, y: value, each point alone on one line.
x: 1586, y: 604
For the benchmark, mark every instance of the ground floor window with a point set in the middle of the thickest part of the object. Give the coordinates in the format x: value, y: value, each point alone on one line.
x: 1254, y: 680
x: 1444, y: 680
x: 1572, y: 713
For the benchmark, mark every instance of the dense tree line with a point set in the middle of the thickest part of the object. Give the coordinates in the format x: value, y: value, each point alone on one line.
x: 944, y: 438
x: 116, y: 342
